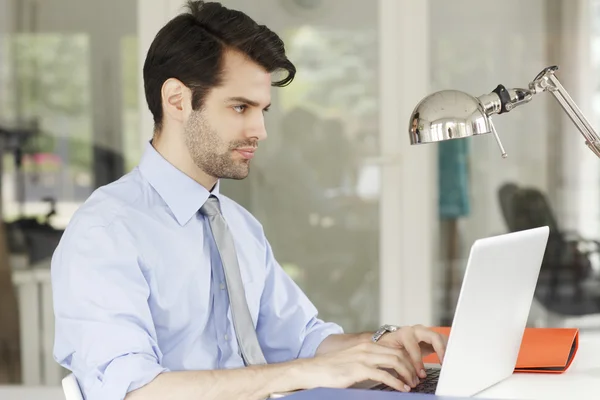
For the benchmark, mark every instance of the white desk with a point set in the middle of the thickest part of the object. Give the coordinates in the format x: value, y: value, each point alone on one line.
x: 580, y: 381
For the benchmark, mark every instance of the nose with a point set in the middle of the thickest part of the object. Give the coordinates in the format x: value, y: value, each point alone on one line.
x: 258, y: 128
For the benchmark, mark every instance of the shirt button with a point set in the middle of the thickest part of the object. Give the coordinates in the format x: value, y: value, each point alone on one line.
x: 226, y: 338
x: 222, y: 286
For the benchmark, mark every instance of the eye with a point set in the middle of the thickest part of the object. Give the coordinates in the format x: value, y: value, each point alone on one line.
x: 240, y: 109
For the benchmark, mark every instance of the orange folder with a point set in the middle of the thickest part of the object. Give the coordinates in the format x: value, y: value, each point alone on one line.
x: 543, y: 350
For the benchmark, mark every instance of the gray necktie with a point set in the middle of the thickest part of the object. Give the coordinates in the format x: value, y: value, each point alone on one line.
x: 242, y: 321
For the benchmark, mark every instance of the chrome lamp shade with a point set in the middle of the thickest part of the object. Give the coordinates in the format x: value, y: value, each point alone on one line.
x: 448, y: 114
x: 452, y: 114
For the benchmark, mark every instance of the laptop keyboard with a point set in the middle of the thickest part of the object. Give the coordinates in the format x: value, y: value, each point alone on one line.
x: 428, y: 385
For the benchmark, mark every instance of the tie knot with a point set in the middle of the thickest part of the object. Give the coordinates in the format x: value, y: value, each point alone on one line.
x: 211, y: 207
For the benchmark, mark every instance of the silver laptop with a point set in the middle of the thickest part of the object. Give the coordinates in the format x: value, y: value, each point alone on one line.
x: 491, y: 315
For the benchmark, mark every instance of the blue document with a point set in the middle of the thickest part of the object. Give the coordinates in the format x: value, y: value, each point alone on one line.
x: 357, y: 394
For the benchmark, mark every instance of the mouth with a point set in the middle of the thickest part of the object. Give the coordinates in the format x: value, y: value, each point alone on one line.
x: 247, y: 153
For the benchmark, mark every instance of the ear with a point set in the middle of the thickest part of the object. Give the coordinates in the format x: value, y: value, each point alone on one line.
x: 176, y: 100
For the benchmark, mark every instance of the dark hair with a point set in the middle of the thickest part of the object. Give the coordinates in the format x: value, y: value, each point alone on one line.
x: 190, y: 48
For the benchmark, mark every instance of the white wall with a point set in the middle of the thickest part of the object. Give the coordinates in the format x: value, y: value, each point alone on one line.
x: 579, y: 184
x: 90, y: 17
x: 80, y: 16
x: 408, y: 203
x: 474, y: 51
x: 333, y: 14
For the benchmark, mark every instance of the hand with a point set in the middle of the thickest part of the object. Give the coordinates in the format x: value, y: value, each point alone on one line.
x: 363, y: 362
x: 418, y: 342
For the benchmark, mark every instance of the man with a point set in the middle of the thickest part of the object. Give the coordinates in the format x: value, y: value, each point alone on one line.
x: 163, y: 287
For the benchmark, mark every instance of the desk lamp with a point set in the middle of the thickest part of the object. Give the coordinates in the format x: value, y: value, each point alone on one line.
x: 452, y: 114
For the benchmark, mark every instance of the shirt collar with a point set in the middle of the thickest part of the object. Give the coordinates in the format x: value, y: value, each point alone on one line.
x: 183, y: 195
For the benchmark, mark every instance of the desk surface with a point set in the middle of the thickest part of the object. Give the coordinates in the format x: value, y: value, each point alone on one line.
x: 580, y: 381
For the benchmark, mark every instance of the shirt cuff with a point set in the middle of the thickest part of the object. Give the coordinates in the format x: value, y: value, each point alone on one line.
x: 123, y: 375
x: 313, y: 340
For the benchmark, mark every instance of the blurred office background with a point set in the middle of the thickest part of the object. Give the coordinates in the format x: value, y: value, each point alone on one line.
x: 372, y: 229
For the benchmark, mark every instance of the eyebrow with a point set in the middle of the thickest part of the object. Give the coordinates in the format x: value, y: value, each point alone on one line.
x: 245, y: 101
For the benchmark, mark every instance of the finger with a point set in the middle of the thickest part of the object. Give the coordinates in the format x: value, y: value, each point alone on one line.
x: 440, y: 343
x: 373, y: 348
x: 410, y: 341
x: 436, y: 340
x: 380, y: 376
x: 403, y: 367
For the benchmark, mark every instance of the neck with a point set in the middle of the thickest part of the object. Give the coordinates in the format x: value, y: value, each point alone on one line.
x: 177, y: 154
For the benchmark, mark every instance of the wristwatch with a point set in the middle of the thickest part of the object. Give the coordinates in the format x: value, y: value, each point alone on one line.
x: 383, y: 330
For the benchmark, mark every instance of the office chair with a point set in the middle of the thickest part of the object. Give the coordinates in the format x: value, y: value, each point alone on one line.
x: 568, y: 285
x: 505, y: 197
x: 71, y: 388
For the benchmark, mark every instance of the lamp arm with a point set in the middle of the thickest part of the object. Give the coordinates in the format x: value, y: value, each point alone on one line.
x: 502, y: 100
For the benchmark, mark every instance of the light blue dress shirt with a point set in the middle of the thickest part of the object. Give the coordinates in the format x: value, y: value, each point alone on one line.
x: 139, y: 288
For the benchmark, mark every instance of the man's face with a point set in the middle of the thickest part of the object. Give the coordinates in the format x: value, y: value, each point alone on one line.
x: 222, y: 136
